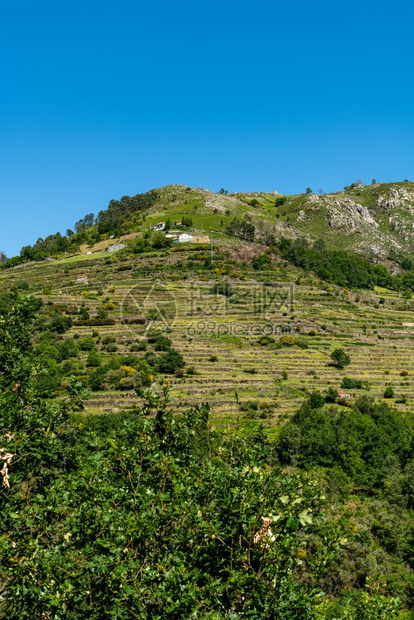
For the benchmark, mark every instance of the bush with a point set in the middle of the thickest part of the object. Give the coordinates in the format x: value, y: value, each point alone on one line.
x: 111, y: 347
x: 222, y: 288
x: 170, y: 362
x: 316, y: 400
x: 389, y: 392
x: 127, y: 383
x: 87, y: 344
x: 96, y: 379
x: 287, y: 341
x: 266, y: 340
x: 331, y: 395
x: 260, y: 262
x: 162, y: 343
x: 340, y: 358
x: 301, y: 342
x: 108, y: 339
x: 351, y: 384
x: 94, y: 359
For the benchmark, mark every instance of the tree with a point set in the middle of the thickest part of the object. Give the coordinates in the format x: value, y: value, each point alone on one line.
x: 340, y: 358
x: 308, y: 190
x: 222, y: 288
x: 171, y: 361
x: 389, y: 392
x: 241, y: 228
x: 186, y: 221
x: 3, y: 258
x: 93, y: 359
x: 316, y: 400
x: 87, y: 222
x: 160, y: 241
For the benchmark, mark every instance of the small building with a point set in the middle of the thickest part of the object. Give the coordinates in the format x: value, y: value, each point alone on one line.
x: 185, y: 238
x: 341, y: 394
x: 159, y: 226
x: 82, y: 280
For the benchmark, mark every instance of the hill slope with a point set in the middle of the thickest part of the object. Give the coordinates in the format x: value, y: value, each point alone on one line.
x: 376, y: 221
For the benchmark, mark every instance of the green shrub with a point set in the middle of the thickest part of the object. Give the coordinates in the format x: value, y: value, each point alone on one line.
x: 222, y: 288
x: 340, y: 358
x: 170, y: 361
x: 87, y: 344
x: 93, y: 359
x: 351, y: 384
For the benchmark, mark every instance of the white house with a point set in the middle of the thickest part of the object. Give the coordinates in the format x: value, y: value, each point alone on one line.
x: 185, y: 238
x: 159, y: 226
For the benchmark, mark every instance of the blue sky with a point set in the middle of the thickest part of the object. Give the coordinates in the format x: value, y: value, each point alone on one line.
x: 102, y: 99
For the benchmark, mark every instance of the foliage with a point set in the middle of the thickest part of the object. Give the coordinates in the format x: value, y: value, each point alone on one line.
x: 148, y: 514
x: 241, y: 228
x: 340, y: 358
x: 358, y: 439
x: 160, y: 241
x: 261, y: 262
x: 186, y: 221
x: 351, y: 384
x: 222, y: 288
x: 170, y: 362
x: 336, y: 266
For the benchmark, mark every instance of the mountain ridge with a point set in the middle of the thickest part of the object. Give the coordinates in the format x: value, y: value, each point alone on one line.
x: 375, y: 220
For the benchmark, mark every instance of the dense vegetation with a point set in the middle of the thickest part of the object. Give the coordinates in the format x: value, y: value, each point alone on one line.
x: 343, y: 268
x: 153, y: 515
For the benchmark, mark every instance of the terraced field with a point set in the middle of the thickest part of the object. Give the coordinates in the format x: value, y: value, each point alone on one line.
x: 224, y: 338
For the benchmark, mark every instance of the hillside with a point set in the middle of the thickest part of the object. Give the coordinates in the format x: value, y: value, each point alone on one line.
x: 214, y: 427
x: 252, y: 355
x: 375, y: 221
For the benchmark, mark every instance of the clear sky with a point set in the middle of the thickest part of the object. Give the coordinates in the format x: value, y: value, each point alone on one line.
x: 102, y: 99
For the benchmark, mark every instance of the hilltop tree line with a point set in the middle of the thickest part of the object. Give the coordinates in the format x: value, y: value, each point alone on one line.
x: 113, y: 220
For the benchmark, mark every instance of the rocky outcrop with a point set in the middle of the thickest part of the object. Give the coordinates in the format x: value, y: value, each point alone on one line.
x: 397, y: 198
x: 344, y: 213
x: 115, y: 247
